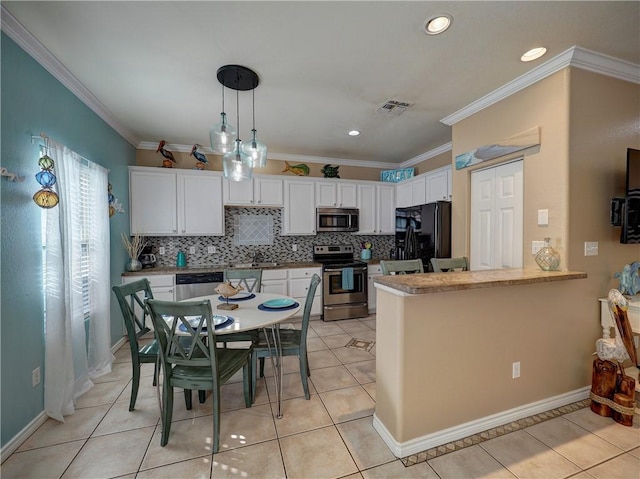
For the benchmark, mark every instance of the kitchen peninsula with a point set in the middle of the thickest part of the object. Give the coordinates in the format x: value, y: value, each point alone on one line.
x: 450, y: 347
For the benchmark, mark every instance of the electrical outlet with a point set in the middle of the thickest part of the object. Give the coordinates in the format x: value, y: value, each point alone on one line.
x: 591, y: 248
x: 192, y: 250
x: 35, y: 377
x: 161, y: 250
x: 294, y: 247
x: 536, y: 246
x: 515, y: 370
x: 211, y: 249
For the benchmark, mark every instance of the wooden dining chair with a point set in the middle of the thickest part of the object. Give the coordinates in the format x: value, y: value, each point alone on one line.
x: 404, y: 266
x: 131, y: 298
x: 293, y: 343
x: 190, y: 359
x: 443, y: 265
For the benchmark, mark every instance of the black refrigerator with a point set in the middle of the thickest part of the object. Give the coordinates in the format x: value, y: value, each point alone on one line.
x: 424, y: 232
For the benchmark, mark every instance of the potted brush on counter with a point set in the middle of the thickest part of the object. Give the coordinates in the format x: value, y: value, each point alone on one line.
x: 134, y: 247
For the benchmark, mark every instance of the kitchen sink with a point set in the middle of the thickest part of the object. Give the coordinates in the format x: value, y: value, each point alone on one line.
x: 253, y: 265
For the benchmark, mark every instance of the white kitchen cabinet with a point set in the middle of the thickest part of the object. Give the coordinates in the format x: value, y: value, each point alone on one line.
x: 335, y: 194
x: 412, y: 192
x: 438, y: 184
x: 386, y: 211
x: 299, y: 212
x: 299, y: 281
x: 377, y: 209
x: 275, y: 281
x: 175, y: 202
x: 373, y: 271
x: 259, y: 191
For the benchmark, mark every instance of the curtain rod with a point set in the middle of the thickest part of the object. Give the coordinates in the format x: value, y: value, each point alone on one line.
x: 46, y: 138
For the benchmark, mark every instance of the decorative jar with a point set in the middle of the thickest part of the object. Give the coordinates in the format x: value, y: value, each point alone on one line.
x: 548, y: 258
x: 365, y: 254
x: 134, y: 265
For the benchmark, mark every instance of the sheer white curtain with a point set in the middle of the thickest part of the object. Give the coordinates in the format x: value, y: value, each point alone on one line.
x: 76, y: 282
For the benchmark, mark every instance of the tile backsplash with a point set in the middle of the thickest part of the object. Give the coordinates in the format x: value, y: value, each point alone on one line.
x: 280, y: 250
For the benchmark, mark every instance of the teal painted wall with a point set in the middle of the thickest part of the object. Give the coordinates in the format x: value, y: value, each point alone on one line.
x: 33, y: 101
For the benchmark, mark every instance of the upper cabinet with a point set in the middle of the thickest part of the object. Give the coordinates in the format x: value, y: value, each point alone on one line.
x: 335, y: 194
x: 426, y: 188
x: 376, y: 203
x: 260, y: 191
x: 299, y: 212
x: 175, y: 202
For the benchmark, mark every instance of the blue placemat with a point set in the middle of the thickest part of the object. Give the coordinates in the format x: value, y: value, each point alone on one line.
x: 228, y: 322
x: 241, y: 298
x: 262, y: 307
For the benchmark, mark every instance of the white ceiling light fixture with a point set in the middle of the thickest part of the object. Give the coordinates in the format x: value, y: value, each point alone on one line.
x: 437, y: 24
x: 533, y: 54
x: 354, y: 133
x: 237, y: 164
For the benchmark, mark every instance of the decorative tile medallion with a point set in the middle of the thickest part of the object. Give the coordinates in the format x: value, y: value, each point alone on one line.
x: 492, y: 433
x: 360, y: 344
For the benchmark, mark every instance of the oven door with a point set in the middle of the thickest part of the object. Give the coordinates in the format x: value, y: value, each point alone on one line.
x: 333, y: 293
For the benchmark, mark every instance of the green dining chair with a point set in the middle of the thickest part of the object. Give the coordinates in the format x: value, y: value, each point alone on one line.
x: 293, y: 343
x: 404, y: 266
x: 251, y: 281
x: 131, y: 298
x: 189, y: 358
x: 443, y: 265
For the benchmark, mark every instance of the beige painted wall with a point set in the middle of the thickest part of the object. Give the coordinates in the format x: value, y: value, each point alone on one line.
x: 438, y: 161
x: 545, y: 105
x: 444, y: 359
x: 274, y: 167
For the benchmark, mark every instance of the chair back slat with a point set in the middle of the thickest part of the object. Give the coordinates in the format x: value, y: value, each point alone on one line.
x: 405, y: 266
x: 311, y: 293
x: 194, y: 345
x: 443, y: 265
x: 129, y: 296
x: 250, y: 279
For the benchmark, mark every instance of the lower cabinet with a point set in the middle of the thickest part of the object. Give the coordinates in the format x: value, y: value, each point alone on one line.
x: 162, y: 287
x: 275, y: 281
x: 372, y: 271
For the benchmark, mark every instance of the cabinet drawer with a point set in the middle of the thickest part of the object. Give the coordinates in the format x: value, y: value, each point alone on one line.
x: 298, y: 288
x: 304, y: 272
x: 268, y: 274
x: 155, y: 280
x: 374, y: 269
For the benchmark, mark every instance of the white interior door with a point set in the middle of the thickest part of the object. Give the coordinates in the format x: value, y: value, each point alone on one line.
x: 496, y: 217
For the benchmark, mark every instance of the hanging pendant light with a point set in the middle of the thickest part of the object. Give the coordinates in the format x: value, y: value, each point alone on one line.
x: 221, y: 135
x: 255, y: 149
x: 236, y: 164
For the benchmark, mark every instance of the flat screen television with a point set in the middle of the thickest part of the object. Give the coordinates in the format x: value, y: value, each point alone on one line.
x: 631, y: 211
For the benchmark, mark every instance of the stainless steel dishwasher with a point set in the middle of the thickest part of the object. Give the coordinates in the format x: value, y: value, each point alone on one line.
x: 191, y: 285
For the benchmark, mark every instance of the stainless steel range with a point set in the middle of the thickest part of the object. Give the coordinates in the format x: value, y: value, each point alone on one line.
x: 344, y: 283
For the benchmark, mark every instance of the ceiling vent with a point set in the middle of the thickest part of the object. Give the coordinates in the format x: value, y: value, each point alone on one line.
x: 394, y: 107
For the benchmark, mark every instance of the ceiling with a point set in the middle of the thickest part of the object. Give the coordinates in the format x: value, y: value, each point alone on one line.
x: 324, y: 67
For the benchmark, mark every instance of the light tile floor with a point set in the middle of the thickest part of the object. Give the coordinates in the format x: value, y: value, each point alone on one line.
x: 330, y: 435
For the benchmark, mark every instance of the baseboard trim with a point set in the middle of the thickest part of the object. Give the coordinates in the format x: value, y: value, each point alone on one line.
x: 118, y: 345
x: 428, y: 441
x: 10, y: 447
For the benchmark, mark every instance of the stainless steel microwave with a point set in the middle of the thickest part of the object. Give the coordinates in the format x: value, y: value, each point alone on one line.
x: 329, y: 220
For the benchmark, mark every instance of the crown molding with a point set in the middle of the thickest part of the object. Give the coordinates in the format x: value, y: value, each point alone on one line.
x: 427, y: 155
x: 573, y: 57
x: 30, y: 44
x: 148, y: 145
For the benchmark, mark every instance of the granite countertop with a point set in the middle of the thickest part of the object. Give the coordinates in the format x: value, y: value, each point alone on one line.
x: 456, y: 281
x: 217, y: 267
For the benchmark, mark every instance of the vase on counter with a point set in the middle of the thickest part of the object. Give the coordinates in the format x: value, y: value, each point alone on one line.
x: 365, y: 254
x: 134, y: 265
x: 548, y: 258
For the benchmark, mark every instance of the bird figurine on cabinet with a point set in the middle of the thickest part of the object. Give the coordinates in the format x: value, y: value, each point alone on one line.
x: 170, y: 159
x: 200, y: 157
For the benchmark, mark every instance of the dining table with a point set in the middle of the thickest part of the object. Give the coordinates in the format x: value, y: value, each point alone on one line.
x: 257, y: 311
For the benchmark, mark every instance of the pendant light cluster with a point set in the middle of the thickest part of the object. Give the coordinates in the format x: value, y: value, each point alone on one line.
x: 239, y: 159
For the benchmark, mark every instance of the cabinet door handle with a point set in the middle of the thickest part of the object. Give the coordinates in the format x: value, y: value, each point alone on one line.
x: 175, y: 231
x: 183, y: 231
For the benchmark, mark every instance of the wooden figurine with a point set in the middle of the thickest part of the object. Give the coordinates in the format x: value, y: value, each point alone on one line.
x: 227, y: 290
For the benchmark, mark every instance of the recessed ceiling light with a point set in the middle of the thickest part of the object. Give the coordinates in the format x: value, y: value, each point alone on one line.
x: 354, y: 133
x: 437, y: 24
x: 533, y: 54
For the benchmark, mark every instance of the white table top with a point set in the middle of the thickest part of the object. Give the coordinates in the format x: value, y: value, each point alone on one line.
x: 247, y: 316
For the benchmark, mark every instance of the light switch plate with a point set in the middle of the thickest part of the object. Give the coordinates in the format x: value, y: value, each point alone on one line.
x: 591, y: 248
x: 161, y: 250
x: 536, y: 246
x: 543, y: 217
x: 211, y: 249
x: 192, y: 250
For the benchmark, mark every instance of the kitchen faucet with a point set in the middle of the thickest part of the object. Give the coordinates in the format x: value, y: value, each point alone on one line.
x: 257, y: 256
